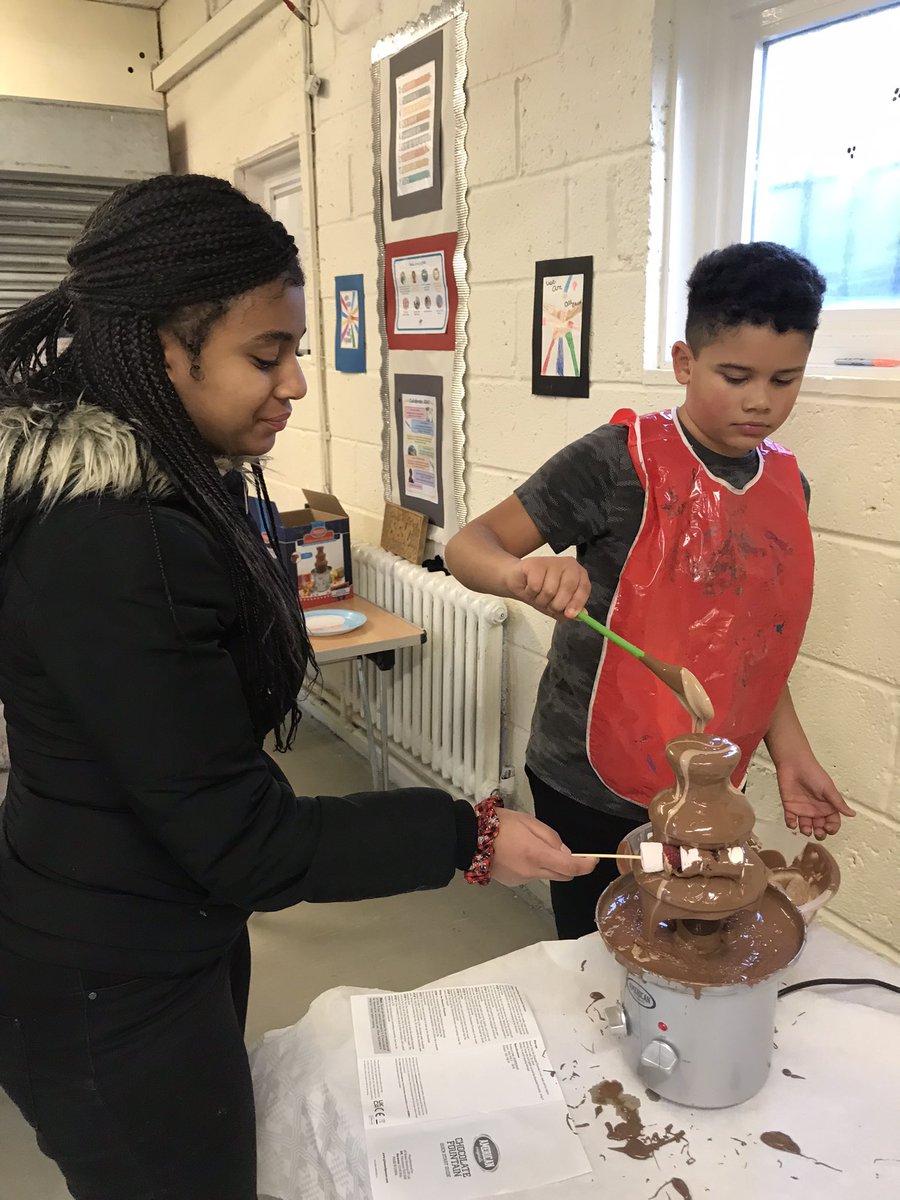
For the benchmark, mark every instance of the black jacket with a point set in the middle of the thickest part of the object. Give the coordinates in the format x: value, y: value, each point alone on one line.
x: 143, y: 821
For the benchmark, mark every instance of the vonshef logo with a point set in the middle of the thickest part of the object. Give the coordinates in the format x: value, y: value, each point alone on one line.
x: 641, y: 995
x: 486, y: 1153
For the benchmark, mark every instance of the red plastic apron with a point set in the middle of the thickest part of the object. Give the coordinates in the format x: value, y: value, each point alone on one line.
x: 718, y: 580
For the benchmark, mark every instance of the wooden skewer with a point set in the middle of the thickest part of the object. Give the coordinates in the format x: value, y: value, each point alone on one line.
x: 636, y: 857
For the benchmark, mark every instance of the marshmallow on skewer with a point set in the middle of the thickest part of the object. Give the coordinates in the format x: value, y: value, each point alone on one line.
x: 654, y: 856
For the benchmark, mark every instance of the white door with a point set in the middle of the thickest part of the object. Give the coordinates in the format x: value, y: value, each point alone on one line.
x: 273, y: 180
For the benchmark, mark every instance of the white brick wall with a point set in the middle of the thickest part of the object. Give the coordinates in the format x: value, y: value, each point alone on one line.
x: 559, y: 163
x: 245, y: 99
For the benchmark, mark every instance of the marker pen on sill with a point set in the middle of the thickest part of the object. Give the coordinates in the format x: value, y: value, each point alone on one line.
x: 867, y: 362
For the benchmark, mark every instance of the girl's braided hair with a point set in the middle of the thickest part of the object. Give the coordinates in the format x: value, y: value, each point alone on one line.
x: 170, y: 252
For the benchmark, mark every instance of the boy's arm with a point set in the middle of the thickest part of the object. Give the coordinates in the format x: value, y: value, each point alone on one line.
x: 489, y: 555
x: 810, y: 799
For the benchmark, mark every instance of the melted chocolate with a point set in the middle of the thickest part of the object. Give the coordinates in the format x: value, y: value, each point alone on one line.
x: 635, y: 1141
x: 786, y: 1144
x: 703, y: 809
x: 696, y: 701
x: 811, y: 874
x: 716, y: 923
x: 780, y: 1141
x: 705, y: 895
x: 678, y: 1185
x: 754, y: 943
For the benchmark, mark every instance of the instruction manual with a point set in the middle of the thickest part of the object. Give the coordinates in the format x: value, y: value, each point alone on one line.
x: 458, y: 1095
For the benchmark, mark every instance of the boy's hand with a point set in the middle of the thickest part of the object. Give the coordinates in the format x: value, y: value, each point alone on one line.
x: 557, y: 587
x: 810, y: 799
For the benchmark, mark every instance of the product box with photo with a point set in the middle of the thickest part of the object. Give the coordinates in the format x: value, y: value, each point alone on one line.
x: 314, y: 544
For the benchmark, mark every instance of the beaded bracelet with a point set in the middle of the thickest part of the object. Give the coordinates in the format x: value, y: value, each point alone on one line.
x: 488, y: 827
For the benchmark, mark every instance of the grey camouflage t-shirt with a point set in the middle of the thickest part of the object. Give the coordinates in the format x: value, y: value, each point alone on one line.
x: 589, y: 496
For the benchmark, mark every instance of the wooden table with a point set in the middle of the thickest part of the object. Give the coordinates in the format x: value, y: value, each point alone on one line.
x: 378, y: 640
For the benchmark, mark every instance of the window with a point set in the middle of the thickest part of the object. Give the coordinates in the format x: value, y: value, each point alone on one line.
x: 785, y: 126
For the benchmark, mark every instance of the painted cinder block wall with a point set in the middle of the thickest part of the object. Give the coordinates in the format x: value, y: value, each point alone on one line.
x: 561, y: 147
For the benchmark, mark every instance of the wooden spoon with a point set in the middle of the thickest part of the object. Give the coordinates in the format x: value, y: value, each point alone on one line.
x: 688, y: 690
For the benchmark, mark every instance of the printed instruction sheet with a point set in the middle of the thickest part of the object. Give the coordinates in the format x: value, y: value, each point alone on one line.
x: 458, y: 1095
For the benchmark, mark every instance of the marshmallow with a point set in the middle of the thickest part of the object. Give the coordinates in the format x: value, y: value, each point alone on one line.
x: 653, y: 856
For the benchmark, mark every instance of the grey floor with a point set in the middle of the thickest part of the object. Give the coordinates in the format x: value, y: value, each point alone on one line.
x: 397, y: 943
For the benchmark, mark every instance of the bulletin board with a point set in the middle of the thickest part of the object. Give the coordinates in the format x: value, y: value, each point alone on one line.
x: 421, y: 218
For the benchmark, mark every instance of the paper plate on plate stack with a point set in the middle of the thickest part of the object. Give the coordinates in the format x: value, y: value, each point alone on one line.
x: 328, y: 622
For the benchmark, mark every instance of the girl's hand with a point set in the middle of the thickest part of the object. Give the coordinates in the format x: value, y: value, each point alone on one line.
x: 526, y: 848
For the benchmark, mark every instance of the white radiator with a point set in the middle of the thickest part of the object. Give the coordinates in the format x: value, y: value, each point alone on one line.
x: 446, y: 698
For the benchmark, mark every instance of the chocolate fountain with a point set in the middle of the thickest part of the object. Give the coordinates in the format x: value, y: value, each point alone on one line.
x: 703, y: 939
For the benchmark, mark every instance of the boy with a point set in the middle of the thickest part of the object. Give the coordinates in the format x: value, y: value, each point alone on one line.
x: 693, y: 542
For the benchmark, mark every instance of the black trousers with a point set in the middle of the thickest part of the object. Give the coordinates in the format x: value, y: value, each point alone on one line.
x: 139, y: 1089
x: 583, y: 830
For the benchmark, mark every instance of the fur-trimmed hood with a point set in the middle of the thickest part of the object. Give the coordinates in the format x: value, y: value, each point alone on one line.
x: 92, y: 452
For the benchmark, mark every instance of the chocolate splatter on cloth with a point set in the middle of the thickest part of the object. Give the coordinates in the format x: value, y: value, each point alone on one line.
x: 635, y: 1141
x: 595, y: 999
x: 779, y: 1141
x: 786, y: 1144
x: 679, y: 1186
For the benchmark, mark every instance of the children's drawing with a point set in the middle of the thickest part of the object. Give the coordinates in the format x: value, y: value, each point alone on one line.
x: 350, y: 323
x: 350, y: 320
x: 562, y: 309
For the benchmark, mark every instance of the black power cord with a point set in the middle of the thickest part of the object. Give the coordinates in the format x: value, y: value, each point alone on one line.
x: 808, y: 983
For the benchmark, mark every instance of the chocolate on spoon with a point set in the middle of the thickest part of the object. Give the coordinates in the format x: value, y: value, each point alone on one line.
x: 687, y: 688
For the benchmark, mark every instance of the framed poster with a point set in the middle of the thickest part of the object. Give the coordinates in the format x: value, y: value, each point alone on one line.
x: 349, y: 324
x: 561, y: 327
x: 419, y: 413
x: 420, y: 294
x: 416, y: 89
x: 421, y: 213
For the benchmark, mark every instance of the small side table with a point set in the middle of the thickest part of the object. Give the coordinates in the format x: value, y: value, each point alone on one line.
x: 379, y: 640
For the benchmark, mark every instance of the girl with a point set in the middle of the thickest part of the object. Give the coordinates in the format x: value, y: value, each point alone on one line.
x: 148, y: 644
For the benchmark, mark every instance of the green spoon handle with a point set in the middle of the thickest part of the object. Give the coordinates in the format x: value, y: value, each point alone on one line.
x: 608, y: 633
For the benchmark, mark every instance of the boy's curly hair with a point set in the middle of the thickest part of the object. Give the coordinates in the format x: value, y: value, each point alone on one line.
x: 752, y: 283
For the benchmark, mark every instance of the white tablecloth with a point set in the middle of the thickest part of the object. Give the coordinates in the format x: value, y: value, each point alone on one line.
x: 843, y: 1111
